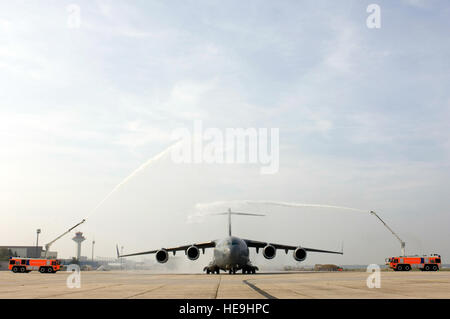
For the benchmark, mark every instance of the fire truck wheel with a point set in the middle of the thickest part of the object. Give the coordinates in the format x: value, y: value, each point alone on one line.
x: 399, y: 267
x: 23, y: 269
x: 435, y: 267
x: 407, y: 267
x: 49, y: 270
x: 42, y: 270
x: 15, y: 269
x: 427, y: 268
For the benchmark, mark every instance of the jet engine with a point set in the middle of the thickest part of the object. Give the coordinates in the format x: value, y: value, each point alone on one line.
x: 162, y: 256
x: 299, y: 254
x: 193, y: 252
x: 269, y: 252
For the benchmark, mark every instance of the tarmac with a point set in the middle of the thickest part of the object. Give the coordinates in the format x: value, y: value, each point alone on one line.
x: 287, y: 285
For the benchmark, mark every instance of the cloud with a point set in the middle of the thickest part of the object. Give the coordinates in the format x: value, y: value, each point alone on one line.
x: 417, y: 3
x: 137, y: 134
x: 344, y: 48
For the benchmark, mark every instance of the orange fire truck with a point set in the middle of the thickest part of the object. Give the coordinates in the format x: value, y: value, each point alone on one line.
x: 25, y: 265
x: 406, y: 263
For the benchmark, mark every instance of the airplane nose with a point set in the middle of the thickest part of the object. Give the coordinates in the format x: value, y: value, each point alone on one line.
x: 234, y: 252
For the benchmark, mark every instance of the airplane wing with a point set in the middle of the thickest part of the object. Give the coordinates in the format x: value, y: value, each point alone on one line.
x: 260, y: 244
x: 203, y: 245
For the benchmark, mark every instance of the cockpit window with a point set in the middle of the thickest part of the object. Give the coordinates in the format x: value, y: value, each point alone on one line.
x: 235, y: 242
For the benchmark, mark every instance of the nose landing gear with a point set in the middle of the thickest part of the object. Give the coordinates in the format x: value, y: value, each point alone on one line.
x: 249, y: 270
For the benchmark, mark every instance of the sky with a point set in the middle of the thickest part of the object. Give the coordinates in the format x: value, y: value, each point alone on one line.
x: 363, y: 117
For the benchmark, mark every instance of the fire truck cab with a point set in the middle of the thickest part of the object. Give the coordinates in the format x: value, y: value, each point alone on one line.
x: 25, y: 265
x: 406, y: 263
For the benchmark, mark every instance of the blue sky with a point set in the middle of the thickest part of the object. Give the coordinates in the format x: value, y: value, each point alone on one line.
x: 363, y: 113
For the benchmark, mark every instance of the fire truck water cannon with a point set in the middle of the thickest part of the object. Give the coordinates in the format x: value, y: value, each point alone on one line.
x: 402, y: 243
x: 47, y: 246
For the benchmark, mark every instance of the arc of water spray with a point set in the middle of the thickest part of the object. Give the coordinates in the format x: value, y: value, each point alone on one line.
x: 134, y: 173
x: 289, y: 204
x: 205, y: 206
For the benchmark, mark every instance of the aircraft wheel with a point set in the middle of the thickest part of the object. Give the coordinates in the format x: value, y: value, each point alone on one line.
x: 218, y: 271
x: 253, y: 271
x: 207, y: 271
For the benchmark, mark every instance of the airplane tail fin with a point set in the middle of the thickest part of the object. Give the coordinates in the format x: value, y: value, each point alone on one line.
x: 229, y: 213
x: 117, y: 249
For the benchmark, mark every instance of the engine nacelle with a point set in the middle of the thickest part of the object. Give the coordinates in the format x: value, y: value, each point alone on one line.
x: 299, y: 254
x: 269, y: 252
x: 193, y: 252
x: 162, y: 256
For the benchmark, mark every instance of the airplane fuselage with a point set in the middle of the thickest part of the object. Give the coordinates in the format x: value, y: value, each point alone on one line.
x: 231, y: 253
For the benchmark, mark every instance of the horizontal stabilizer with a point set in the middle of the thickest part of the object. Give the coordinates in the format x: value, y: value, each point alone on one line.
x: 238, y: 213
x: 229, y: 213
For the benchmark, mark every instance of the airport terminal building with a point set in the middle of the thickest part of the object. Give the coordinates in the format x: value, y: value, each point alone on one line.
x: 24, y: 251
x: 28, y: 251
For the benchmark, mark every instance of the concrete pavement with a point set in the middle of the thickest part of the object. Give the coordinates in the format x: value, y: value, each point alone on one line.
x: 142, y: 284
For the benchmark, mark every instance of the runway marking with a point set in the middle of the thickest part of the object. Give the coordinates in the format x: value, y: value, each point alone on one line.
x: 258, y: 290
x: 142, y: 293
x: 218, y: 285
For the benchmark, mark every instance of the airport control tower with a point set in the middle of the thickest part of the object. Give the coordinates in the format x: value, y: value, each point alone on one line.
x: 79, y: 238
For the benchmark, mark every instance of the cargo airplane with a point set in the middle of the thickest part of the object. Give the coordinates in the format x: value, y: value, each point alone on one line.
x: 231, y: 253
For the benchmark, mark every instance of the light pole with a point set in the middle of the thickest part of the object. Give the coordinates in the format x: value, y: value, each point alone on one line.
x: 38, y: 231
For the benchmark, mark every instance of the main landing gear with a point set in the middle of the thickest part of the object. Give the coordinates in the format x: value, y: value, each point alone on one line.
x: 245, y: 270
x: 249, y: 270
